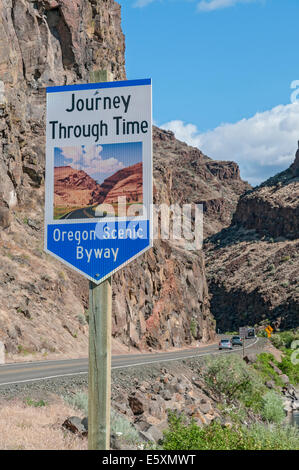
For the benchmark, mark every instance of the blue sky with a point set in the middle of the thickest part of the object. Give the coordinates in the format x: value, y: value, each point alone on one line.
x: 99, y: 161
x: 222, y: 72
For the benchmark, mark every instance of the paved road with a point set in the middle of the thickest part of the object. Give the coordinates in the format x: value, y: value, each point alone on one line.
x: 85, y: 213
x: 35, y: 371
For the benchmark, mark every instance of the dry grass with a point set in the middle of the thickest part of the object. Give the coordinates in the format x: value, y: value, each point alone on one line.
x: 24, y: 427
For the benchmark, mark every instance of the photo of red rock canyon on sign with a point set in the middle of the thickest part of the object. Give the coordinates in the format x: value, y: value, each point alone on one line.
x: 88, y: 180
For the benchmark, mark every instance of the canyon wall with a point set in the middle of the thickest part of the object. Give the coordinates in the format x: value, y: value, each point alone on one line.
x: 253, y: 265
x: 160, y: 300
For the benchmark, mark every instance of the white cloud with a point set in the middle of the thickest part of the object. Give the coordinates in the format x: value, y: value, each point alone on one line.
x: 262, y: 145
x: 211, y: 5
x: 89, y: 159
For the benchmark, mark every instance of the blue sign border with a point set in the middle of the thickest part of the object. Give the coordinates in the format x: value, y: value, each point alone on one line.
x: 93, y: 86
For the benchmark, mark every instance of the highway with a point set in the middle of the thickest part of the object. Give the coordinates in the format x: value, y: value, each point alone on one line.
x: 23, y: 372
x: 84, y: 213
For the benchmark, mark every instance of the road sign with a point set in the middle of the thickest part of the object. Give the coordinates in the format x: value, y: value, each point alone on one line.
x: 243, y: 331
x: 269, y: 331
x: 99, y: 175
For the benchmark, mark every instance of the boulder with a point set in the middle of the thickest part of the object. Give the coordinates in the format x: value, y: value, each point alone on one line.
x: 136, y: 404
x: 205, y: 407
x: 152, y: 434
x: 166, y: 395
x: 76, y: 425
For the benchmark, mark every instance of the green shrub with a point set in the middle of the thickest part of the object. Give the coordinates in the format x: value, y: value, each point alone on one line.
x: 81, y: 319
x: 36, y: 404
x: 193, y: 327
x: 275, y: 436
x: 289, y: 368
x: 79, y: 401
x: 124, y: 429
x: 266, y: 371
x: 181, y: 436
x: 229, y: 377
x: 284, y: 339
x: 272, y: 409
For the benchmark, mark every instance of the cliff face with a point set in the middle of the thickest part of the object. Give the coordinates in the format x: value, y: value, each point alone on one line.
x: 253, y: 266
x: 126, y: 182
x: 42, y: 43
x: 43, y: 304
x: 272, y: 208
x: 74, y: 187
x: 161, y: 299
x: 185, y: 175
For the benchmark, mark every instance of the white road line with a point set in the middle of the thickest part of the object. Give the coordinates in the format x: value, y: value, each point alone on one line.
x: 130, y: 365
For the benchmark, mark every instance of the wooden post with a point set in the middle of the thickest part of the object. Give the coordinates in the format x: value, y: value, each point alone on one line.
x: 99, y: 374
x: 99, y: 377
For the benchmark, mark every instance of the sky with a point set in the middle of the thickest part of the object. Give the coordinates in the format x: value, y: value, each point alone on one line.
x: 99, y: 161
x: 222, y: 73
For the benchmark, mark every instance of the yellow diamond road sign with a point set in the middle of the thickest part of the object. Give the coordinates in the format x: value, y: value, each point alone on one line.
x: 269, y: 331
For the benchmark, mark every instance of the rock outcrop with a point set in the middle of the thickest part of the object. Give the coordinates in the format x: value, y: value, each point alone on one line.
x: 43, y: 304
x: 124, y: 183
x: 74, y: 188
x: 43, y: 43
x: 184, y: 175
x: 253, y: 266
x: 272, y: 209
x: 160, y: 300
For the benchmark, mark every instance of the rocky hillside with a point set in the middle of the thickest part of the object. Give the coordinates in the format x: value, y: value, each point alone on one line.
x: 272, y: 208
x: 126, y: 182
x: 253, y: 266
x: 161, y: 300
x: 74, y: 187
x: 185, y: 175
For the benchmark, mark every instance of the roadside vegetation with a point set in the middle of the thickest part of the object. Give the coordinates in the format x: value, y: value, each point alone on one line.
x: 120, y: 426
x: 258, y: 436
x: 288, y: 343
x: 254, y: 416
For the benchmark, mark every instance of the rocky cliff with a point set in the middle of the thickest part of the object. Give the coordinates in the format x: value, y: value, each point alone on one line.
x: 42, y: 43
x: 74, y: 188
x: 253, y: 266
x: 184, y: 175
x: 124, y: 183
x: 272, y: 208
x: 160, y: 300
x: 43, y: 304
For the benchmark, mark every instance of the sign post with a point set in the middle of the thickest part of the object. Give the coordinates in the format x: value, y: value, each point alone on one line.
x: 242, y: 333
x: 99, y: 374
x: 98, y: 214
x: 99, y: 354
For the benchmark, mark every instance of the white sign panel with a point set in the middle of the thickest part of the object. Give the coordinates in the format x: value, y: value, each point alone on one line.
x: 99, y: 175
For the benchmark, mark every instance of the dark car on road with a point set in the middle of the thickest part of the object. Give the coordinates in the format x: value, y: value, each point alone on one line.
x: 225, y: 344
x: 236, y: 341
